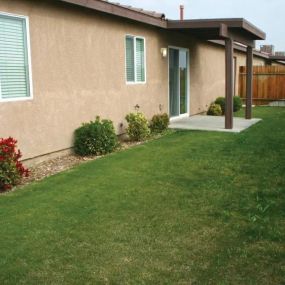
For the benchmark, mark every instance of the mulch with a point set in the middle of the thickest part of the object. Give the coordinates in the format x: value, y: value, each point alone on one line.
x: 59, y: 164
x: 53, y: 166
x: 56, y: 165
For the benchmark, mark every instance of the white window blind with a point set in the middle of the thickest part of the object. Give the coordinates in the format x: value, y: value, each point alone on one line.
x: 130, y: 61
x: 135, y: 59
x: 14, y: 63
x: 140, y: 60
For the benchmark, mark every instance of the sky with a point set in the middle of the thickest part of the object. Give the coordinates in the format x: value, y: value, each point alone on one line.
x: 268, y: 15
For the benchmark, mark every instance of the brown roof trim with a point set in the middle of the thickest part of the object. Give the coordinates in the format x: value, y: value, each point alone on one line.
x: 156, y: 19
x: 241, y: 48
x: 256, y: 53
x: 241, y: 23
x: 277, y: 57
x: 253, y: 29
x: 121, y: 11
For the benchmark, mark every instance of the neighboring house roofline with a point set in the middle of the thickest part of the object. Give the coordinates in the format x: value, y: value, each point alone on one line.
x: 238, y: 47
x: 241, y: 48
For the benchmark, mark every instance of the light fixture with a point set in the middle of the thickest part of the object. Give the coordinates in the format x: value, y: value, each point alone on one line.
x: 163, y: 52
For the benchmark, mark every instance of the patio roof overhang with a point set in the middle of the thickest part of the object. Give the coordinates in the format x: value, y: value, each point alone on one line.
x: 238, y: 29
x: 230, y: 30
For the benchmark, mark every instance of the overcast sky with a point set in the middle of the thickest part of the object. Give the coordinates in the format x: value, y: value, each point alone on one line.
x: 269, y: 15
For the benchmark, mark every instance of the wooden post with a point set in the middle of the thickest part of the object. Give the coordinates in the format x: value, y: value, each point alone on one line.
x: 229, y: 84
x: 249, y: 79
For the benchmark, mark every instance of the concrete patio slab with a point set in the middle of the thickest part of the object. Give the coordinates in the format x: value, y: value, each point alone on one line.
x: 211, y: 123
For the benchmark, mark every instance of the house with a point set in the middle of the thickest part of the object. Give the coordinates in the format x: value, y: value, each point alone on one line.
x: 63, y: 62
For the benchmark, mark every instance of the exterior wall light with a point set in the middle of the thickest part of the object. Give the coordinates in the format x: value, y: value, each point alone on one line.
x: 163, y: 52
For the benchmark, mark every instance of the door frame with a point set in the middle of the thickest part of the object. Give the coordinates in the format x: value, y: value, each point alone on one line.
x: 187, y: 114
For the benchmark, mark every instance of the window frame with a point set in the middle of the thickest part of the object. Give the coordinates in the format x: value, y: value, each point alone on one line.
x: 28, y: 43
x: 135, y: 63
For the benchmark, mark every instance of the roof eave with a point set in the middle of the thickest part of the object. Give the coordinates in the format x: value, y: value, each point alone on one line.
x: 124, y: 12
x: 253, y: 29
x: 277, y: 57
x: 231, y: 23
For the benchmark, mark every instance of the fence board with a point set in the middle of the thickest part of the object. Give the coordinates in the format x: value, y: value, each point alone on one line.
x: 268, y: 84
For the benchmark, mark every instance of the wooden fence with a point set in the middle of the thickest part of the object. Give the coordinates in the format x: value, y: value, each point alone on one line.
x: 268, y: 84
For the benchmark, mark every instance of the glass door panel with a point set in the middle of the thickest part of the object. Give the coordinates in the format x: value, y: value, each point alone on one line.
x: 183, y: 81
x: 174, y: 82
x: 178, y: 81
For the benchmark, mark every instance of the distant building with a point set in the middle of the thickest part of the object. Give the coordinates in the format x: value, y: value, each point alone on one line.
x: 269, y: 49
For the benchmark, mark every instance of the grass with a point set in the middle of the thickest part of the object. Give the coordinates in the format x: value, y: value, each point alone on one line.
x: 190, y: 208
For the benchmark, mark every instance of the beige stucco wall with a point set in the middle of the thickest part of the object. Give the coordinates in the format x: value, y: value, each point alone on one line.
x: 207, y: 75
x: 78, y: 66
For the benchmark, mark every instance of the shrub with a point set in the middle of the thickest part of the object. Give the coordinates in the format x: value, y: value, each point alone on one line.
x: 214, y: 110
x: 11, y: 169
x: 138, y: 129
x: 222, y: 102
x: 159, y: 123
x: 95, y: 138
x: 237, y: 103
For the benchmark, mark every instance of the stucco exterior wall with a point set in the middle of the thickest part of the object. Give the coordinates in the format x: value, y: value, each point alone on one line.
x: 78, y: 66
x: 207, y: 75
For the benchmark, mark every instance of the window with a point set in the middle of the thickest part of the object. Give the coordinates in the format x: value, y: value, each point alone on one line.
x: 135, y: 59
x: 14, y: 58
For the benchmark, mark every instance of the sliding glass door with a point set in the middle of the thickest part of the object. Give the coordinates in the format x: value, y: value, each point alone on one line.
x: 178, y: 81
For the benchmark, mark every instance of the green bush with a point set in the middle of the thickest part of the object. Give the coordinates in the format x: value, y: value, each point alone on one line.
x: 222, y: 102
x: 95, y: 138
x: 159, y: 123
x: 237, y: 103
x: 214, y: 110
x: 138, y: 129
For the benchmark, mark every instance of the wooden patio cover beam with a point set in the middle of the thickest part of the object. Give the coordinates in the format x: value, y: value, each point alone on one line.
x: 229, y: 39
x: 229, y: 83
x: 236, y: 36
x: 249, y: 82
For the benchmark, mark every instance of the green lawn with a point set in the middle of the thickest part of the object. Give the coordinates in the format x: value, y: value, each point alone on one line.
x: 190, y: 208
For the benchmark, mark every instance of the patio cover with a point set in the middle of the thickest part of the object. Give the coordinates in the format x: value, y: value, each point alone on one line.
x: 230, y: 30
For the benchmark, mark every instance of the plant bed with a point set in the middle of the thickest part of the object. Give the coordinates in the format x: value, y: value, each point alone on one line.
x: 59, y: 164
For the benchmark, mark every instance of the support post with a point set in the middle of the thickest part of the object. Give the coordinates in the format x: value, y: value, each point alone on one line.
x: 229, y: 84
x: 249, y: 79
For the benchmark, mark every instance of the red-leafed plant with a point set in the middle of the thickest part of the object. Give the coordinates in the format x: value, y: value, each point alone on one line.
x: 11, y: 169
